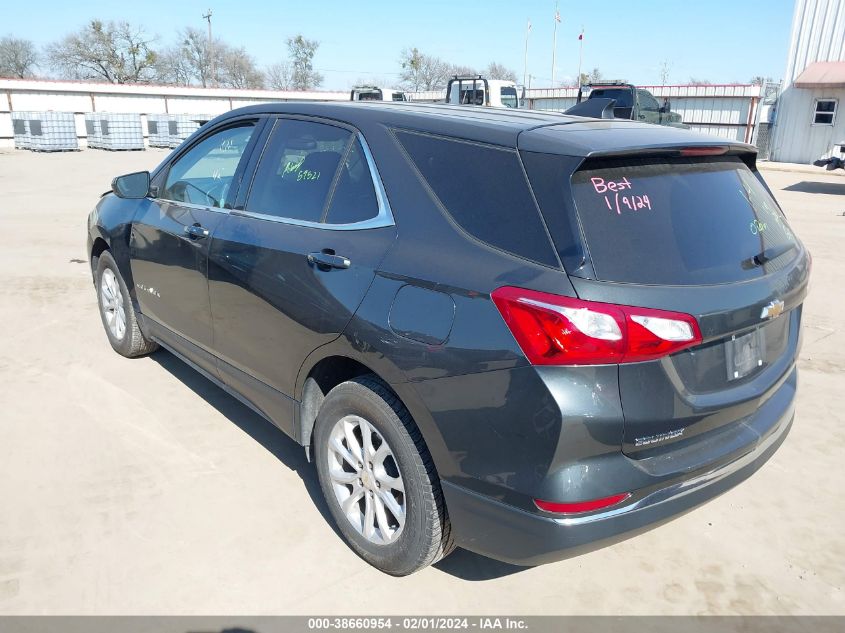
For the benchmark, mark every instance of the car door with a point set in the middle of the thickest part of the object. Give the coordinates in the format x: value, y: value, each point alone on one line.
x: 290, y: 265
x: 648, y: 109
x: 170, y: 236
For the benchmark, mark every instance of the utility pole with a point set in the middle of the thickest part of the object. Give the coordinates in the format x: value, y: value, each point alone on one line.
x: 525, y: 67
x: 210, y: 48
x: 554, y: 43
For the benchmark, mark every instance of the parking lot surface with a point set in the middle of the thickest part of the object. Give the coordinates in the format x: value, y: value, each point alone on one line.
x: 138, y: 487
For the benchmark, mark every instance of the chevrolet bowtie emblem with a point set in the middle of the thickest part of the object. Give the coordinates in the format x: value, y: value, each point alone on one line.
x: 773, y: 310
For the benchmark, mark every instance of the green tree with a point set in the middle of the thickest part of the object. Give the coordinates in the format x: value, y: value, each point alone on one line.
x: 303, y: 75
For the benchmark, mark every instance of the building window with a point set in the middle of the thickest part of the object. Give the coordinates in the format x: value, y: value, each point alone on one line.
x: 825, y: 112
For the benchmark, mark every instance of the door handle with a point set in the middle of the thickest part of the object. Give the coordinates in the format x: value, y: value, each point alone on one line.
x: 327, y: 259
x: 196, y: 232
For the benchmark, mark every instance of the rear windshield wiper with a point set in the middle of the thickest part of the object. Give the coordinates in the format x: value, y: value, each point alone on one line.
x: 766, y: 256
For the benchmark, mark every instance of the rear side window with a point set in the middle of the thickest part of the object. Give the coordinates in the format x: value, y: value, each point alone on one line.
x: 354, y: 198
x: 485, y: 191
x: 684, y: 221
x: 296, y: 173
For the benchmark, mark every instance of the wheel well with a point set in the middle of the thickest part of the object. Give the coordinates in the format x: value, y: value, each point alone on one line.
x: 97, y: 250
x: 323, y: 377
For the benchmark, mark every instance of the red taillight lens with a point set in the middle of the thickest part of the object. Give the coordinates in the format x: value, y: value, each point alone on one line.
x: 703, y: 151
x: 580, y: 506
x: 555, y: 330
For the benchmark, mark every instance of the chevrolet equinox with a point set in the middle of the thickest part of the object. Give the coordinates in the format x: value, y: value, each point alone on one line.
x: 525, y: 334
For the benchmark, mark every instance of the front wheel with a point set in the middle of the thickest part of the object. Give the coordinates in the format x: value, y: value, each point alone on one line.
x: 116, y: 311
x: 379, y: 479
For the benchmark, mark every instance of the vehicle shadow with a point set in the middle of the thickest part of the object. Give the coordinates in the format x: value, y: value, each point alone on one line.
x: 461, y: 563
x: 810, y: 186
x: 265, y: 433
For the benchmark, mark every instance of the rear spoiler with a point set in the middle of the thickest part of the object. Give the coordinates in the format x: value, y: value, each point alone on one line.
x: 598, y: 108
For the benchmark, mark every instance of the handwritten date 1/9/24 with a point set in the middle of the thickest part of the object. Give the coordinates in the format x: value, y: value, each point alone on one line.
x: 611, y: 191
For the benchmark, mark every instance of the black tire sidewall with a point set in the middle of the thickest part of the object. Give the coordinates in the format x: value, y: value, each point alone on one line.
x: 402, y: 556
x: 124, y: 345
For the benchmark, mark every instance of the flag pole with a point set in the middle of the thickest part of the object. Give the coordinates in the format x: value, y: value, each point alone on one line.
x: 525, y: 59
x: 554, y: 43
x: 580, y: 55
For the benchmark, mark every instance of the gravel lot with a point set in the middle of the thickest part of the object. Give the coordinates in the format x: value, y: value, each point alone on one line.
x: 138, y: 487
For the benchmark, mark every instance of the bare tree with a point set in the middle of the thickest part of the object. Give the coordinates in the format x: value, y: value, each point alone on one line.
x: 237, y: 69
x: 665, y: 68
x: 18, y: 57
x: 115, y: 51
x: 759, y: 80
x: 172, y: 67
x: 699, y: 82
x: 499, y: 71
x: 594, y: 76
x: 421, y: 71
x: 279, y: 76
x: 460, y: 69
x: 302, y: 51
x: 196, y: 56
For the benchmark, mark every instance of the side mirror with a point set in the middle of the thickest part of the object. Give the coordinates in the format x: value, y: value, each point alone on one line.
x: 132, y: 186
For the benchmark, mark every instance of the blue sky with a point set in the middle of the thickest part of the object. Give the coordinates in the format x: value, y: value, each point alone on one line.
x: 723, y: 41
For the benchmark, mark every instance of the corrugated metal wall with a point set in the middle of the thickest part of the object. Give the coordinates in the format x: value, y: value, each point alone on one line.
x: 818, y: 35
x: 727, y: 111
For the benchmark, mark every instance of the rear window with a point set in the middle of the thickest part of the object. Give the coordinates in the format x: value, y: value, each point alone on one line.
x: 485, y: 191
x: 624, y: 96
x: 682, y: 221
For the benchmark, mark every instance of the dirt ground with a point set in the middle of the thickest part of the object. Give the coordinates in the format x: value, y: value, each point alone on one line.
x: 138, y: 487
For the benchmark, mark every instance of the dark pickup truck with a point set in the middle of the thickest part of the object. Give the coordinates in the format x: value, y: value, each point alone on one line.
x: 635, y: 104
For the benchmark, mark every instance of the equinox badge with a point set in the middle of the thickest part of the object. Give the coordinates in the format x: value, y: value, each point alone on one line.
x: 773, y: 310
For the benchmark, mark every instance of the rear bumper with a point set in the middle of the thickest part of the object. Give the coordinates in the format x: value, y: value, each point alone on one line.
x: 510, y: 534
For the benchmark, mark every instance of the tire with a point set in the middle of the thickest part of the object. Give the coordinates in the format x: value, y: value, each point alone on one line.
x: 116, y: 312
x: 423, y: 536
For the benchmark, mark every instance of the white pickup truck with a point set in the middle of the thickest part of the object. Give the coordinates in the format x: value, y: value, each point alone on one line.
x: 476, y: 90
x: 374, y: 93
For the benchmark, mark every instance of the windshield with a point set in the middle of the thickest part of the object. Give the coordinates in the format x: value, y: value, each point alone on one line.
x: 624, y: 96
x: 509, y: 98
x: 680, y: 221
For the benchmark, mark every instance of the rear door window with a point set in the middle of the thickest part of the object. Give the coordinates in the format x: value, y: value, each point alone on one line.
x: 297, y: 170
x: 683, y: 221
x: 485, y: 191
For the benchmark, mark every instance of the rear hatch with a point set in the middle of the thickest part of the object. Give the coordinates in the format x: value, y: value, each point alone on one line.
x: 694, y: 231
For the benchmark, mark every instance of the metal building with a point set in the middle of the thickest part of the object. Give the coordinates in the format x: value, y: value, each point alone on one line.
x: 808, y: 118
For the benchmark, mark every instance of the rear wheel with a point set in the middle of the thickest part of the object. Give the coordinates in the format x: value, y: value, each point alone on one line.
x: 378, y: 478
x: 116, y: 311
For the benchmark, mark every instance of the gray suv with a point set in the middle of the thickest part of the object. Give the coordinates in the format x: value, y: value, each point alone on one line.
x: 519, y: 333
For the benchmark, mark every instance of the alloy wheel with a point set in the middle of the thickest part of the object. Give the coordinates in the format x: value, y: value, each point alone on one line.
x: 366, y: 480
x: 111, y: 300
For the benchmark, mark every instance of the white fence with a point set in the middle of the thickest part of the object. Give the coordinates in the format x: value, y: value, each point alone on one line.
x: 83, y: 97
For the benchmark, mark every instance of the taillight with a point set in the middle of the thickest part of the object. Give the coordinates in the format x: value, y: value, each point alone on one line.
x: 703, y: 151
x: 580, y: 506
x: 555, y: 330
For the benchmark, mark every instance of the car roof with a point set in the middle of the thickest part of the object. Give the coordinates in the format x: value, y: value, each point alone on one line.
x: 499, y: 126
